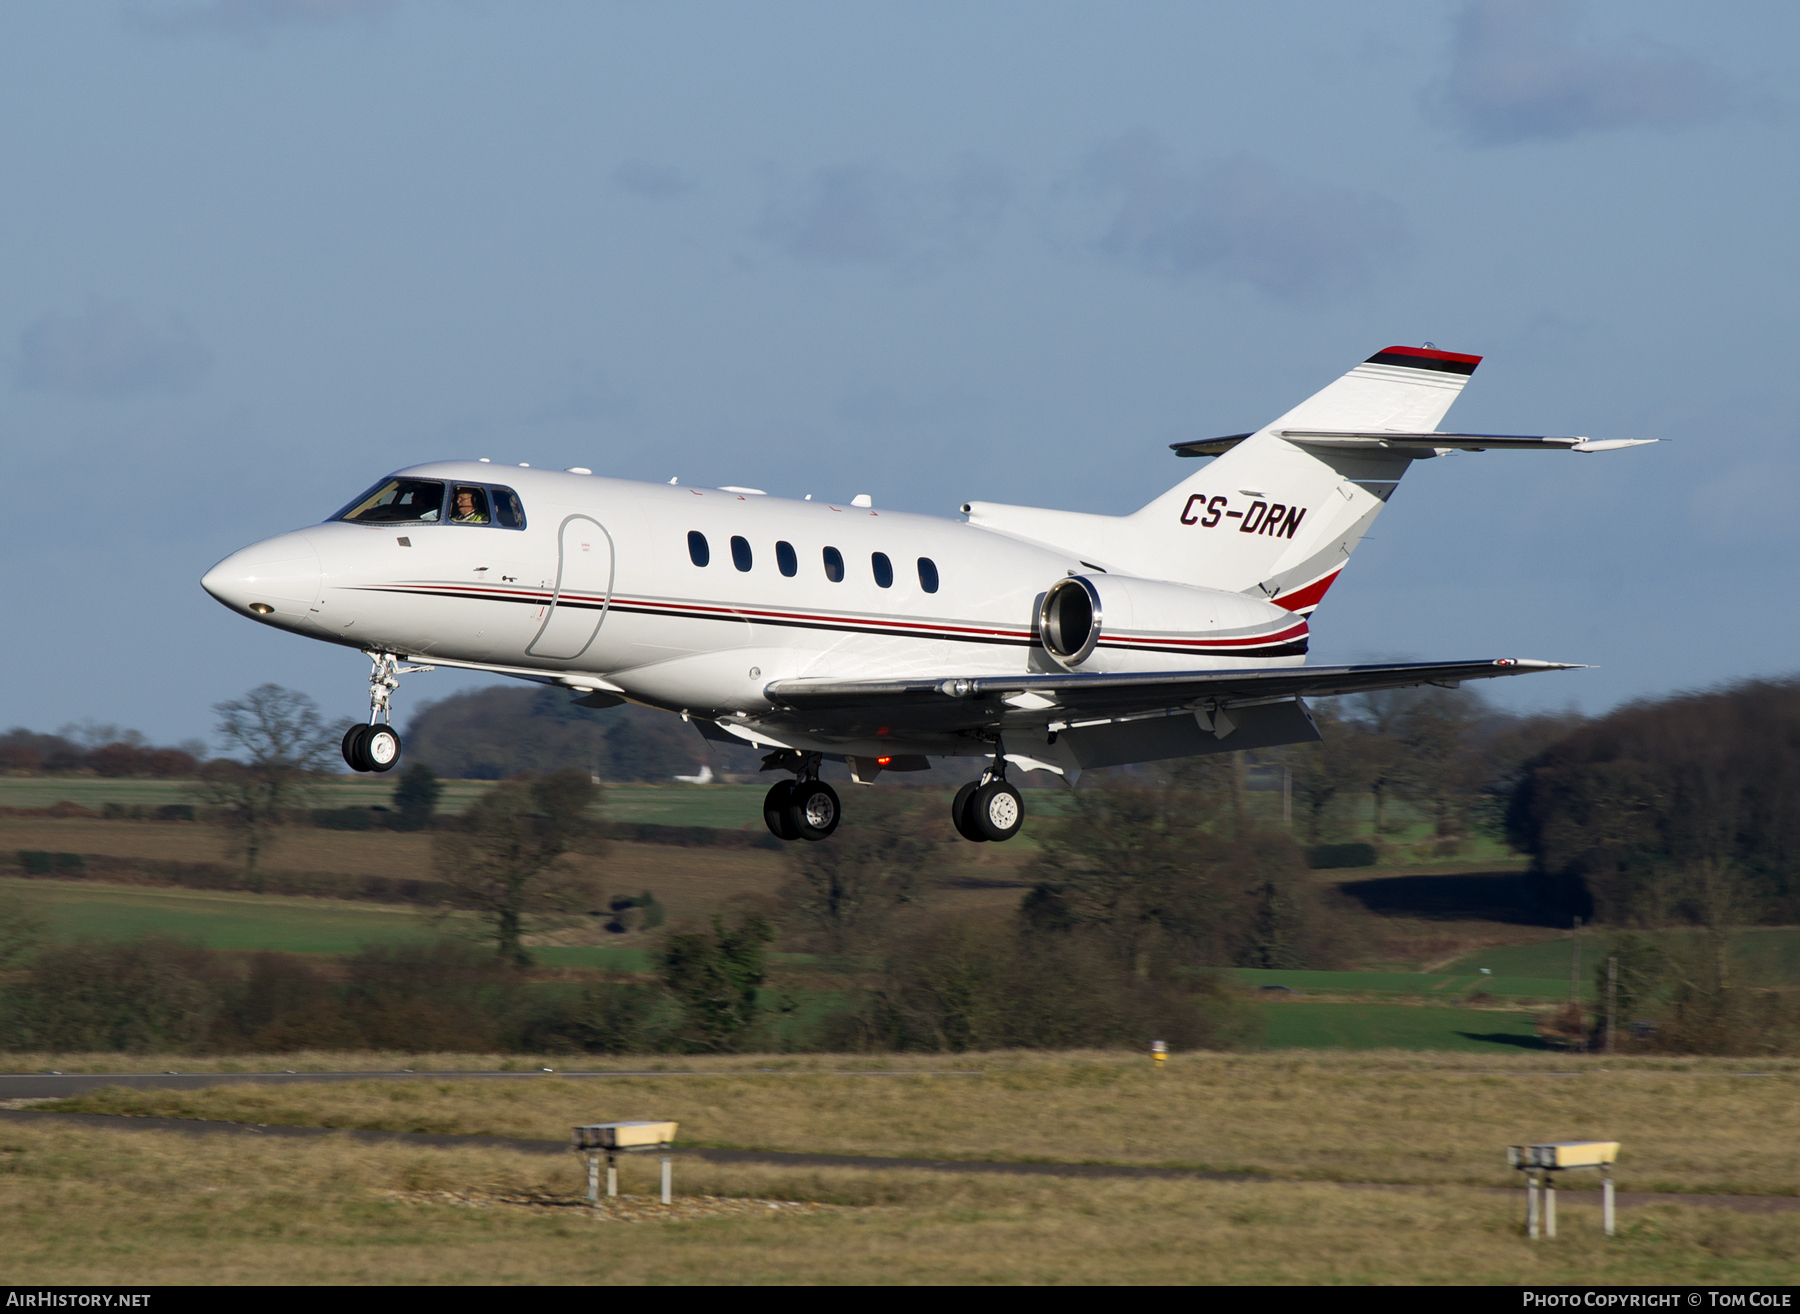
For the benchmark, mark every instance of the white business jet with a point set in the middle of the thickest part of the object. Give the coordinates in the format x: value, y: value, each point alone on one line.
x: 1039, y: 639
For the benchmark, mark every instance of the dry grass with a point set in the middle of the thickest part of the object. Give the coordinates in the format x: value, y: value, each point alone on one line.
x: 690, y: 883
x: 1382, y: 1118
x: 163, y: 1208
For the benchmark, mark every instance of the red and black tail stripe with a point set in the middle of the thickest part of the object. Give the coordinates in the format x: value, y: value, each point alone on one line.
x: 1424, y: 358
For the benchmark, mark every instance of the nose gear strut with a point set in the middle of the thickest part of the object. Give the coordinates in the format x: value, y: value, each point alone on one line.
x: 375, y: 746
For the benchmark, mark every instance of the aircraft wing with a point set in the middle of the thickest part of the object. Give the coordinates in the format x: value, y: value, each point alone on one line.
x: 981, y: 699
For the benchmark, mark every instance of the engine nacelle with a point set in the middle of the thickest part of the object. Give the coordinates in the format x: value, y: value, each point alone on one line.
x: 1139, y: 624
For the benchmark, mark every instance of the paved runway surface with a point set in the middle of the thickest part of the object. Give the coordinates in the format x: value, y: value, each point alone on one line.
x: 1749, y: 1204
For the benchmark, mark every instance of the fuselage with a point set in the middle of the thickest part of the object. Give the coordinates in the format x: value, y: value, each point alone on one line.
x: 694, y: 599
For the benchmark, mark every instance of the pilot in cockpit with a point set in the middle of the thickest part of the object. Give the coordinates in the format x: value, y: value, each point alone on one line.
x: 469, y: 507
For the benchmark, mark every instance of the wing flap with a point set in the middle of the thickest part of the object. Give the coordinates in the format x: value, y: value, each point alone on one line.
x: 1073, y: 696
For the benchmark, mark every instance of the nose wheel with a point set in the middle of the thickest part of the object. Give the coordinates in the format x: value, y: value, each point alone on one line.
x: 371, y: 747
x: 376, y: 746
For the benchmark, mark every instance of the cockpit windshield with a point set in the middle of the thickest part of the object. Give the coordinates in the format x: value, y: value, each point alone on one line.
x: 398, y: 501
x: 469, y: 505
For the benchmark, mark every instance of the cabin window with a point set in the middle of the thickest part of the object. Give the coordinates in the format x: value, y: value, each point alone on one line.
x: 928, y: 576
x: 508, y: 514
x: 397, y: 502
x: 884, y: 570
x: 698, y: 552
x: 740, y: 552
x: 834, y: 565
x: 786, y: 561
x: 469, y: 506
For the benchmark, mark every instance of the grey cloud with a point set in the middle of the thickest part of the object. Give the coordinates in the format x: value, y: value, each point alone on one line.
x: 866, y: 214
x: 107, y: 351
x: 1237, y: 220
x: 250, y: 20
x: 1519, y: 72
x: 655, y: 182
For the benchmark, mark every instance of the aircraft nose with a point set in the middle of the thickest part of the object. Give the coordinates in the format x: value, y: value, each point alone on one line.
x: 276, y: 577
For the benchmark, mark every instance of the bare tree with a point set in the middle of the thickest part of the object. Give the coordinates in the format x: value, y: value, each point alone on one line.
x: 504, y: 862
x: 875, y: 864
x: 1327, y: 772
x: 282, y: 745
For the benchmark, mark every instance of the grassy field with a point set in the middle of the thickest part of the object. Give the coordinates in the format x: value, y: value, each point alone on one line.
x: 1386, y: 1117
x: 690, y: 883
x: 1769, y: 955
x: 93, y: 791
x: 215, y: 919
x: 1428, y: 985
x: 722, y: 806
x: 1397, y: 1026
x: 162, y: 1208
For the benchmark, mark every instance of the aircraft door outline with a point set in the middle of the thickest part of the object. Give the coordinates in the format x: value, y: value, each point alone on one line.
x: 566, y: 633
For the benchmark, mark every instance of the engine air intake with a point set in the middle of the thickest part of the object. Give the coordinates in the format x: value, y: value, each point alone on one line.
x: 1069, y: 620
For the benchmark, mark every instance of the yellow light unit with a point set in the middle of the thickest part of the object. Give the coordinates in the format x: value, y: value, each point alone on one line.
x: 1563, y: 1154
x: 623, y: 1135
x: 261, y: 608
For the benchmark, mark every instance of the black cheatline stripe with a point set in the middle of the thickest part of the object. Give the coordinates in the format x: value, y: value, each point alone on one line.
x: 866, y: 628
x: 1436, y: 363
x: 1295, y: 649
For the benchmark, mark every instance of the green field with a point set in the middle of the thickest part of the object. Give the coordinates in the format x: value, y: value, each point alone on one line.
x: 1431, y: 985
x: 95, y: 791
x: 604, y: 957
x: 1396, y: 1026
x: 215, y: 919
x: 1766, y: 955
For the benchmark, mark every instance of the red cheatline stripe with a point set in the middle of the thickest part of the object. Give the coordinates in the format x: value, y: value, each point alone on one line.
x: 1293, y: 632
x: 1429, y: 354
x: 928, y: 627
x: 713, y: 611
x: 1308, y: 596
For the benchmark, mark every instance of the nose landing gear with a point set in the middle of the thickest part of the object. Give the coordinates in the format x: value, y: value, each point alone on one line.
x: 376, y: 745
x: 803, y: 808
x: 988, y: 809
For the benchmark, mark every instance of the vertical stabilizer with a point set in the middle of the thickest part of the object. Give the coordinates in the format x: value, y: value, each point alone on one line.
x: 1279, y: 518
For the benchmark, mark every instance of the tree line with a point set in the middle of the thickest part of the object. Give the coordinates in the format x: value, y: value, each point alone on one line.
x: 103, y: 750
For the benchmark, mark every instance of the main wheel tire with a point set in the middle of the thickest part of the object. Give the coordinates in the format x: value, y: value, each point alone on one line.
x: 813, y: 809
x: 355, y: 740
x: 962, y: 818
x: 381, y: 747
x: 997, y: 810
x: 775, y: 810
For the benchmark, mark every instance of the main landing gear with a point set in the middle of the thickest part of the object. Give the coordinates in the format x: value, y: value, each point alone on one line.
x: 376, y: 746
x: 803, y: 808
x: 989, y: 808
x: 807, y: 808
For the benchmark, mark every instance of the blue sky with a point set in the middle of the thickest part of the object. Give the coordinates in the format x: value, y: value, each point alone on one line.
x: 259, y: 252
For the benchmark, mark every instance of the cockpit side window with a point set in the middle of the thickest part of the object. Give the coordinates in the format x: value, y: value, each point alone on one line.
x: 396, y: 502
x: 508, y: 514
x: 469, y: 506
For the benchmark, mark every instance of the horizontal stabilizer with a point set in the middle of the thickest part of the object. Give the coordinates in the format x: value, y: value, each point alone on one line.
x: 1463, y: 442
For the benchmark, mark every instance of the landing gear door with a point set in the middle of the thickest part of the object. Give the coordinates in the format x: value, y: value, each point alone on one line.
x: 584, y: 582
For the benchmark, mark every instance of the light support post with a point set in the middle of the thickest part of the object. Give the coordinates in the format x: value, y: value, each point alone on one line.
x: 1541, y: 1163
